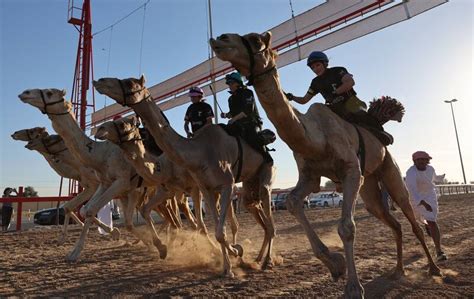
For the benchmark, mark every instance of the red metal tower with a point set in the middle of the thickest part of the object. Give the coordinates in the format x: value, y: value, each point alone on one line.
x: 80, y: 17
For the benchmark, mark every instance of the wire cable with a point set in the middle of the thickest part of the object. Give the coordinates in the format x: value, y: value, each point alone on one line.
x: 123, y: 18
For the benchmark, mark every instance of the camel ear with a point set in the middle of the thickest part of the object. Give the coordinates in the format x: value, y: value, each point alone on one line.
x: 267, y: 38
x: 64, y: 92
x: 142, y: 80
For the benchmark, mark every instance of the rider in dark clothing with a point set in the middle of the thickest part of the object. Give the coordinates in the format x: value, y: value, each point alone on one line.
x: 335, y: 84
x: 244, y: 118
x: 199, y: 113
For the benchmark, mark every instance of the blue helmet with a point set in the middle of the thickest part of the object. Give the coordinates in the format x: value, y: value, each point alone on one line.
x: 317, y: 56
x: 234, y: 77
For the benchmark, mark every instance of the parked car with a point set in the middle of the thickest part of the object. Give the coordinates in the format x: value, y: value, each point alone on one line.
x: 279, y: 202
x: 48, y: 217
x: 332, y: 199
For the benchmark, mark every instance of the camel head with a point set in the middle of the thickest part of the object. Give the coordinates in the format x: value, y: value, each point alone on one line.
x: 30, y: 134
x: 50, y: 144
x: 119, y: 131
x: 49, y: 101
x: 126, y: 92
x: 232, y: 47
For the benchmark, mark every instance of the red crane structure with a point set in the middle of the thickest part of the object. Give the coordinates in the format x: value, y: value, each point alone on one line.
x: 80, y: 17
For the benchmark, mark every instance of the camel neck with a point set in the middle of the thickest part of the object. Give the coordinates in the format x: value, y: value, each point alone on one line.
x: 76, y: 140
x: 146, y: 164
x: 280, y: 112
x: 175, y: 146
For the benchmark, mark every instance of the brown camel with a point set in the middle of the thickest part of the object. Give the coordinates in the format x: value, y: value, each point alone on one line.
x: 213, y: 160
x: 324, y: 145
x: 54, y: 150
x: 117, y: 177
x: 158, y: 170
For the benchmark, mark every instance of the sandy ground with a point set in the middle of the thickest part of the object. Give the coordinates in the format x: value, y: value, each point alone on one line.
x: 32, y: 264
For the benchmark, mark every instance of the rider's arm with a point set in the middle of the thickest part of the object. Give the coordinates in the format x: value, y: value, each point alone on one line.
x: 347, y: 83
x: 237, y: 117
x: 186, y: 127
x: 303, y: 100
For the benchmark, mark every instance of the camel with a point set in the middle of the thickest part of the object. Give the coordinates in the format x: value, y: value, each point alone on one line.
x: 212, y: 158
x: 173, y: 180
x: 159, y: 170
x: 53, y: 149
x: 324, y: 145
x: 117, y: 177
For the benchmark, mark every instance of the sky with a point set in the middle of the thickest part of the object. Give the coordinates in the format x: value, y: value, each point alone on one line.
x: 422, y: 62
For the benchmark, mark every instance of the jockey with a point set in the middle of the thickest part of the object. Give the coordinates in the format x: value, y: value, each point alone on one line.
x: 199, y: 113
x: 244, y: 118
x: 336, y: 84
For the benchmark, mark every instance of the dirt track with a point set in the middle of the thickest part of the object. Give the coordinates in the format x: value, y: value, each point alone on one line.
x: 32, y: 264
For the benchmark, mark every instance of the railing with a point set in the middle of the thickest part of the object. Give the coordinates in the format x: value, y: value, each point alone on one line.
x: 20, y: 200
x: 452, y: 189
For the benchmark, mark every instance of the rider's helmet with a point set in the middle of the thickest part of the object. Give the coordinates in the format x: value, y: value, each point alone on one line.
x: 317, y: 56
x: 234, y: 77
x: 196, y: 91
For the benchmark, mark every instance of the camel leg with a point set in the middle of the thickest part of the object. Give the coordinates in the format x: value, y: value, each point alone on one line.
x: 372, y: 196
x: 347, y: 230
x: 333, y: 260
x: 183, y: 206
x: 265, y: 190
x: 197, y: 199
x: 69, y: 207
x: 75, y: 253
x: 158, y: 201
x: 234, y: 223
x: 392, y: 179
x: 253, y: 206
x: 174, y: 208
x: 225, y: 201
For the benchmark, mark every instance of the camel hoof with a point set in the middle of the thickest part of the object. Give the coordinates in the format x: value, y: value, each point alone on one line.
x: 163, y: 251
x: 435, y: 271
x: 115, y: 233
x: 239, y: 248
x: 339, y: 265
x: 228, y: 274
x: 354, y: 290
x: 268, y: 264
x: 72, y: 256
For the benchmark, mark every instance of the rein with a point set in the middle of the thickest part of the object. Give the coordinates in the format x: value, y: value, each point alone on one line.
x: 251, y: 78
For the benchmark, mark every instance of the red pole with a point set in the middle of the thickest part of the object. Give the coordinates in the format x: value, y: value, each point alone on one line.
x: 19, y: 209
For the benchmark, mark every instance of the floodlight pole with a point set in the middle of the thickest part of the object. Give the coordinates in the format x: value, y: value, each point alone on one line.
x: 213, y: 79
x: 457, y: 138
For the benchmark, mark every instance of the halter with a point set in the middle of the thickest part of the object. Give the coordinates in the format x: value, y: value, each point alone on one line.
x: 251, y: 78
x: 121, y: 141
x: 129, y: 93
x: 54, y: 143
x: 46, y: 104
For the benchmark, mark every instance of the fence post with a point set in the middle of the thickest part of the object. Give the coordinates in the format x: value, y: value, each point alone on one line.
x: 19, y: 209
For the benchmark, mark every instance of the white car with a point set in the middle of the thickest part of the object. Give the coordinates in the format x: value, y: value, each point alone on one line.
x: 327, y: 199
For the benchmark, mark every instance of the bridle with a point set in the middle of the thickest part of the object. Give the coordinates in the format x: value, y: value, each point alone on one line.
x: 129, y: 93
x: 121, y: 141
x: 46, y: 104
x: 54, y: 143
x: 251, y: 78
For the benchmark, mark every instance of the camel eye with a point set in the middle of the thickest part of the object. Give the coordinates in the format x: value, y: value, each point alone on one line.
x: 224, y: 37
x: 49, y: 93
